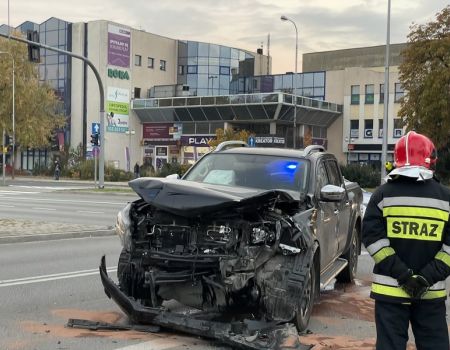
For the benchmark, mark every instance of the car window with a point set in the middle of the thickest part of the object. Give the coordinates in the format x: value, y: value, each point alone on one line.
x: 250, y: 170
x: 333, y: 173
x: 220, y: 177
x: 322, y: 178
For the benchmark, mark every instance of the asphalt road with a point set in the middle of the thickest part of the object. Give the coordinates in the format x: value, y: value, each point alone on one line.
x: 43, y: 284
x: 61, y: 204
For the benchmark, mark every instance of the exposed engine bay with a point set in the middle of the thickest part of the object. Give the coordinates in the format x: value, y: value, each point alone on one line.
x: 225, y: 253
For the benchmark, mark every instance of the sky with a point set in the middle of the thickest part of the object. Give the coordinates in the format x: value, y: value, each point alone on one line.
x: 323, y: 25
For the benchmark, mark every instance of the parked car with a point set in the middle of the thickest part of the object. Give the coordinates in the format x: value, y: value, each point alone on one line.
x: 245, y: 231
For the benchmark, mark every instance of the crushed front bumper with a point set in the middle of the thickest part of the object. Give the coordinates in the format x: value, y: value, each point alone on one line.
x: 247, y: 334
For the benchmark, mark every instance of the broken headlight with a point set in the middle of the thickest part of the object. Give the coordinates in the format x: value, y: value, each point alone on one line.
x: 122, y: 228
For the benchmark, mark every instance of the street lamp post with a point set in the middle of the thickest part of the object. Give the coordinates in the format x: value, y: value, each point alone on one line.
x: 129, y: 132
x: 284, y: 18
x: 13, y: 111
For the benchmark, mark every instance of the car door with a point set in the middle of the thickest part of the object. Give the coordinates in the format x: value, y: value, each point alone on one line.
x: 326, y: 220
x: 343, y: 208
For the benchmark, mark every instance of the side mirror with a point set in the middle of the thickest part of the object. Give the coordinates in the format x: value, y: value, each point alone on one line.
x: 173, y: 176
x: 331, y: 193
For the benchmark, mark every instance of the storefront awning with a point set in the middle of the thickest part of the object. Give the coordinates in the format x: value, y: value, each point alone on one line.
x: 245, y: 108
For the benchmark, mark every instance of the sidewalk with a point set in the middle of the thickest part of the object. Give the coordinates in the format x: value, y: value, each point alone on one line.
x: 14, y: 231
x: 9, y: 181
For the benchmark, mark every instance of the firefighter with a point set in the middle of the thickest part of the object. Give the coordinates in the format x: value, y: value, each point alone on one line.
x: 406, y: 231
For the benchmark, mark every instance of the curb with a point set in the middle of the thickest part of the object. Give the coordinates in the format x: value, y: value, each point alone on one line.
x: 55, y: 236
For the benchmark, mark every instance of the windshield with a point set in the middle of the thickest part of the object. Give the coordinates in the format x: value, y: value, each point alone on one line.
x: 251, y: 170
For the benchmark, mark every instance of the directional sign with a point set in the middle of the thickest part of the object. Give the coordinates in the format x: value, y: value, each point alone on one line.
x: 251, y: 141
x: 95, y: 128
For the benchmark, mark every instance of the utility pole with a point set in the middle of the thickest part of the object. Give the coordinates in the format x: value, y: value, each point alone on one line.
x: 386, y: 96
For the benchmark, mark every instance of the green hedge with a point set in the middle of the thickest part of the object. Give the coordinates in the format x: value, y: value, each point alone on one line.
x: 365, y: 175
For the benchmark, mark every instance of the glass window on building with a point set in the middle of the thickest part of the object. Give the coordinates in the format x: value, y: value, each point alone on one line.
x: 355, y: 95
x: 150, y: 62
x: 137, y: 92
x: 225, y: 52
x: 381, y: 93
x: 202, y: 128
x: 368, y: 128
x: 192, y: 69
x: 308, y: 80
x: 203, y: 50
x: 137, y: 60
x: 398, y: 127
x: 369, y: 97
x: 224, y: 70
x: 354, y: 128
x: 192, y: 49
x: 380, y: 128
x: 162, y: 65
x: 214, y: 50
x: 319, y: 79
x: 399, y: 93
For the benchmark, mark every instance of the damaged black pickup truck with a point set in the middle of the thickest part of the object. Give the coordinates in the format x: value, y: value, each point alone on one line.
x: 252, y: 231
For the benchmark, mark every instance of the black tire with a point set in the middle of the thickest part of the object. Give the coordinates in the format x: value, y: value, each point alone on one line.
x: 306, y: 301
x: 348, y: 274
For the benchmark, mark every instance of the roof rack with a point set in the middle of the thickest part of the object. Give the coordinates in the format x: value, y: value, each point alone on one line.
x: 313, y: 148
x: 230, y: 144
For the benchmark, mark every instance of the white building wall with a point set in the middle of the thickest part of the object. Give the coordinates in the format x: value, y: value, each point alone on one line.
x: 142, y: 43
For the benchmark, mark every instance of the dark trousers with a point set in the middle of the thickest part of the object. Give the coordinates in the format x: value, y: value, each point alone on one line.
x: 428, y: 324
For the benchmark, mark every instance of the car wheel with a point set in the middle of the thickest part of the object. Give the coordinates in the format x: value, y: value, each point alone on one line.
x: 348, y: 274
x: 306, y: 301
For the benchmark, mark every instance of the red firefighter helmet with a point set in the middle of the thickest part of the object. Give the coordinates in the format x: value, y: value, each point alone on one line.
x: 415, y: 149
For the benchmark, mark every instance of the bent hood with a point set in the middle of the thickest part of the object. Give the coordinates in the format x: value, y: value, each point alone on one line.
x: 187, y: 198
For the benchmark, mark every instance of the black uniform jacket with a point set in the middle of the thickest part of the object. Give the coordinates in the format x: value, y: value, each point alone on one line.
x: 405, y: 226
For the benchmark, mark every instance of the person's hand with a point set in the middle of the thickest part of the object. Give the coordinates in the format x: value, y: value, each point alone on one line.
x: 416, y: 286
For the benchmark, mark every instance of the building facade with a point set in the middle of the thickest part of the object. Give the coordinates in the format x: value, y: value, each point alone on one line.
x: 355, y: 79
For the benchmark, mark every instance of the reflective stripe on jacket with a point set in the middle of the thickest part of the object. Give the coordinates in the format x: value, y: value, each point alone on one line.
x: 406, y: 227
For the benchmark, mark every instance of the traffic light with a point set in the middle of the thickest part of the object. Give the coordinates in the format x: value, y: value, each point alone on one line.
x: 34, y: 52
x: 7, y: 140
x: 94, y: 139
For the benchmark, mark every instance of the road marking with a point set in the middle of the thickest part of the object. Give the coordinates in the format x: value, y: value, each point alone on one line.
x: 54, y: 187
x: 7, y: 206
x: 67, y: 200
x: 52, y: 277
x: 16, y: 192
x: 43, y: 208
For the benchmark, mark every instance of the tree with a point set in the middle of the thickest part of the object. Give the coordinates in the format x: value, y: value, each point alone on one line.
x: 36, y: 105
x: 229, y: 135
x: 425, y: 76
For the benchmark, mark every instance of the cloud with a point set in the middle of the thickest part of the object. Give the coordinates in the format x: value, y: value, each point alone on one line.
x: 322, y: 24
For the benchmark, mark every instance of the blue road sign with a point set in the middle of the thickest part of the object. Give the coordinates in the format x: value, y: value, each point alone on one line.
x: 95, y: 128
x: 251, y: 141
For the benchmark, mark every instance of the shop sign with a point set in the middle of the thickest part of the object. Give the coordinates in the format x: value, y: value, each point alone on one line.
x: 198, y: 141
x: 118, y: 74
x: 269, y: 140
